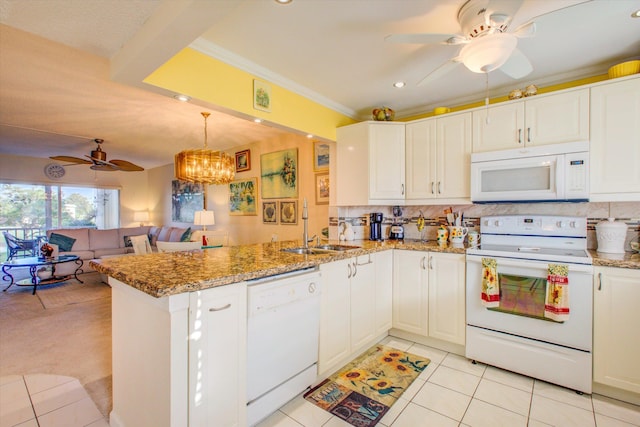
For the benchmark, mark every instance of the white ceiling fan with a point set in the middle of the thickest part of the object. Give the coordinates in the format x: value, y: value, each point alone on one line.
x: 487, y: 44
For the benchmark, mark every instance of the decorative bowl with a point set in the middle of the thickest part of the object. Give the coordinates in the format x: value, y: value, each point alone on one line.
x: 383, y: 114
x: 516, y: 94
x: 624, y: 69
x: 441, y: 110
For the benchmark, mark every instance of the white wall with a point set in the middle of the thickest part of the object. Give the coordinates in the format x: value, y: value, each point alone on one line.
x: 133, y: 185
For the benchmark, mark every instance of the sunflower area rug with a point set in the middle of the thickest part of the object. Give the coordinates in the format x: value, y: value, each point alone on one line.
x: 363, y: 391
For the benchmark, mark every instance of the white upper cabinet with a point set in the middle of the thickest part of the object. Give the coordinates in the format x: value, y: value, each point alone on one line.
x: 370, y: 163
x: 615, y: 141
x: 540, y: 120
x: 438, y: 156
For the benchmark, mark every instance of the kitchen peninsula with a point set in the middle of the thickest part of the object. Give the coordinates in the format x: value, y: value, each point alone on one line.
x: 180, y: 323
x: 179, y: 326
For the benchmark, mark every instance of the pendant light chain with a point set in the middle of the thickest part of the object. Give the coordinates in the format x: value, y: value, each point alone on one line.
x: 206, y: 116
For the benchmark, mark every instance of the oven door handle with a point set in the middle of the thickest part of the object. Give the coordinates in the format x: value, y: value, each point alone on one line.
x: 509, y: 262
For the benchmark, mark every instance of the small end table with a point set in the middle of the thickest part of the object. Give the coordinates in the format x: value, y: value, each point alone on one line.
x: 34, y: 263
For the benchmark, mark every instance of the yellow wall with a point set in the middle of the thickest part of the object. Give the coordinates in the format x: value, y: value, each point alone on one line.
x: 210, y: 80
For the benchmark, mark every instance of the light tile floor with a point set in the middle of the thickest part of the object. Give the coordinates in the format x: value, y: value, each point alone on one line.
x: 454, y: 392
x: 46, y: 401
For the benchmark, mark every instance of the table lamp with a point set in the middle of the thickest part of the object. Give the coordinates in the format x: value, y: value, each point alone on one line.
x: 141, y: 217
x: 204, y: 218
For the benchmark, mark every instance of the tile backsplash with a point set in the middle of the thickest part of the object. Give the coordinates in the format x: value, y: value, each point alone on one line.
x: 358, y: 216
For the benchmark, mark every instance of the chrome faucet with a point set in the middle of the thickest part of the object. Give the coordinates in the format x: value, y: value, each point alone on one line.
x: 305, y: 220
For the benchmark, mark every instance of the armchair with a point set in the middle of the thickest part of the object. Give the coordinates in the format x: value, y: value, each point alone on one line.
x: 19, y: 247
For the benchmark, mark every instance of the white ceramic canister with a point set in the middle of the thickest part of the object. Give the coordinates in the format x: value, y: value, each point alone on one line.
x: 611, y: 235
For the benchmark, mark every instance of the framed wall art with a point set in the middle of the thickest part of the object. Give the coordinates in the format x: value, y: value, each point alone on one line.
x: 288, y: 212
x: 186, y: 199
x: 243, y: 160
x: 322, y: 189
x: 270, y: 212
x: 261, y: 96
x: 320, y: 156
x: 243, y: 197
x: 279, y: 173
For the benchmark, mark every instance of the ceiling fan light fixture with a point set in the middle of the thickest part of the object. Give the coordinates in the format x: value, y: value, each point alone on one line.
x: 488, y: 52
x: 203, y: 165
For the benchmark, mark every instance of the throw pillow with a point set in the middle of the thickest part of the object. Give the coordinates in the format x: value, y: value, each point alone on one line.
x: 186, y: 236
x: 65, y: 243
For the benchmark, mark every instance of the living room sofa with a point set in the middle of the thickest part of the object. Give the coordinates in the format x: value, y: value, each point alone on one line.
x: 90, y: 243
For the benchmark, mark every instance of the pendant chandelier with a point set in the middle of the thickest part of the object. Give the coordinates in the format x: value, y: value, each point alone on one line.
x: 204, y: 165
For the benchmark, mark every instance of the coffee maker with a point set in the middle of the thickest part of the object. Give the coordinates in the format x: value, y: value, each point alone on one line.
x: 375, y: 226
x: 396, y: 232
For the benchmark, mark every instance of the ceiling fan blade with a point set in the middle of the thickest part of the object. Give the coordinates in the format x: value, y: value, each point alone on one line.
x: 517, y: 66
x: 426, y: 38
x: 71, y: 159
x: 533, y: 10
x: 126, y: 166
x: 525, y: 30
x: 440, y: 71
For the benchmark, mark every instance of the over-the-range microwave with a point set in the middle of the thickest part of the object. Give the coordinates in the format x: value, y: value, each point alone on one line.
x: 556, y: 172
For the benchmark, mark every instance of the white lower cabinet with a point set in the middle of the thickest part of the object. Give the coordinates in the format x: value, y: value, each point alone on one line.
x: 616, y: 319
x: 217, y: 357
x: 410, y: 291
x: 447, y: 297
x: 355, y: 308
x: 429, y: 294
x: 179, y: 360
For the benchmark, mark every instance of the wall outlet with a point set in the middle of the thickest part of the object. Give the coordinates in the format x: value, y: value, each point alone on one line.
x: 274, y: 237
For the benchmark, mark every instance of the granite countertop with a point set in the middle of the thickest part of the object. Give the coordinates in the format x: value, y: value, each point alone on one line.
x: 626, y: 260
x: 164, y: 274
x: 170, y: 273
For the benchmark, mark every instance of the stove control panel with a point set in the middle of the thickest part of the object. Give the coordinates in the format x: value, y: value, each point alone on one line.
x: 534, y: 225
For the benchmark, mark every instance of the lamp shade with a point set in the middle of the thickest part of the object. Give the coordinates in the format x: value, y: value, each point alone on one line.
x: 204, y: 218
x: 488, y: 52
x: 141, y: 216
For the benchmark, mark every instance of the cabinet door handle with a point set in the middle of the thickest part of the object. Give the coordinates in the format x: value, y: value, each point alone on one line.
x: 519, y: 136
x: 422, y: 266
x: 430, y: 262
x: 433, y: 188
x: 439, y: 187
x: 528, y: 134
x: 355, y: 268
x: 224, y: 307
x: 349, y: 268
x: 599, y: 281
x: 402, y: 185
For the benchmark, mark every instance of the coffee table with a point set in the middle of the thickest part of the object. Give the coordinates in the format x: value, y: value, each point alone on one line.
x: 35, y: 263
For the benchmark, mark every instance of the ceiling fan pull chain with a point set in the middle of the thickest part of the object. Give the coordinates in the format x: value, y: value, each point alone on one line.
x: 486, y: 98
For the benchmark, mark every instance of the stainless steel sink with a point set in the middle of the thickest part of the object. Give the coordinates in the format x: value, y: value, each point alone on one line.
x: 319, y: 250
x: 337, y: 248
x: 308, y: 251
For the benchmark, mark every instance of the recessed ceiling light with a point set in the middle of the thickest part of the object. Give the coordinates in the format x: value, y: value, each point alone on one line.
x: 636, y: 14
x: 284, y: 1
x: 257, y: 120
x: 182, y: 98
x: 309, y: 136
x: 399, y: 85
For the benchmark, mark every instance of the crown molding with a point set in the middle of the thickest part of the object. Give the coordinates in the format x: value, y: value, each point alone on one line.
x: 211, y: 49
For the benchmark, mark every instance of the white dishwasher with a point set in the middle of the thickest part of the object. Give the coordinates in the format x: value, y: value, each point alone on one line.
x: 282, y: 339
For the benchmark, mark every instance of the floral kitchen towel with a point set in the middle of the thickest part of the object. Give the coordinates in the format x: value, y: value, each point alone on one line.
x: 490, y: 285
x: 556, y: 303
